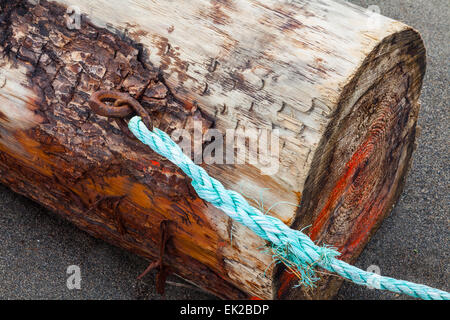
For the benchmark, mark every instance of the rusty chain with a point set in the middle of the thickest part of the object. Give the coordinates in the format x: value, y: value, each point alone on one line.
x: 118, y: 105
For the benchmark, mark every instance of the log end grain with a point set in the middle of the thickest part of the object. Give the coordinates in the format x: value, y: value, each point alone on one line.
x: 359, y: 168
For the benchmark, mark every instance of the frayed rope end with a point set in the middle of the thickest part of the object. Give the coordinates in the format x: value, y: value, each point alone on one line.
x: 305, y: 272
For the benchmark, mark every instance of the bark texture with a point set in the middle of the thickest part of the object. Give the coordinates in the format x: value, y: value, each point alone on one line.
x: 342, y: 92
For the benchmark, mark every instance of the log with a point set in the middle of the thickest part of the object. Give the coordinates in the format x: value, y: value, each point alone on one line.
x: 341, y: 91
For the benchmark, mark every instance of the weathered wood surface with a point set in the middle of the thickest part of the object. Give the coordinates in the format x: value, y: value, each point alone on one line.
x: 343, y: 93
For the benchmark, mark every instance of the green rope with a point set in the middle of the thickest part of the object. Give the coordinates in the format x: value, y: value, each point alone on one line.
x: 289, y: 246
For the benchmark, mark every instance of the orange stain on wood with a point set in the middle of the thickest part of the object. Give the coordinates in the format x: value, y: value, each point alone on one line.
x: 203, y: 247
x: 358, y: 158
x: 365, y: 222
x: 362, y: 229
x: 155, y: 163
x: 286, y: 279
x: 33, y: 156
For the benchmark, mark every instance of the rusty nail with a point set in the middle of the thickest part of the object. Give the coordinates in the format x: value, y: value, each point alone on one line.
x: 164, y: 270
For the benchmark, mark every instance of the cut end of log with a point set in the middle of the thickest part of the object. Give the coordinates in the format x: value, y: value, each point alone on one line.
x: 359, y: 168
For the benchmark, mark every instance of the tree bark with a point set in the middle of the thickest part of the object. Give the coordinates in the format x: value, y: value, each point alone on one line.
x: 339, y: 85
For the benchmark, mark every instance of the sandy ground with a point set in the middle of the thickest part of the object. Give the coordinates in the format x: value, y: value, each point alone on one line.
x: 36, y: 247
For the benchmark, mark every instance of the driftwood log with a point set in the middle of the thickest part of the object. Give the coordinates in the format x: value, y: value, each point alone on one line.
x: 339, y: 84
